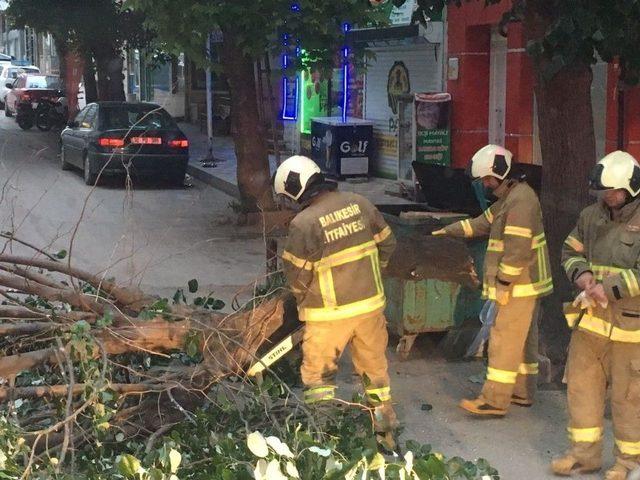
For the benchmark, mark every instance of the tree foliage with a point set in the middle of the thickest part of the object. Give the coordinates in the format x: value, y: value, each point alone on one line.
x: 87, y: 25
x: 259, y: 26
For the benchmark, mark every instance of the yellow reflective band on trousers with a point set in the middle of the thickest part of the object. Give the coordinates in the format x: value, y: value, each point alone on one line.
x: 631, y: 282
x: 574, y: 243
x: 343, y: 311
x: 601, y: 327
x: 383, y: 235
x: 518, y: 231
x: 467, y: 228
x: 319, y: 394
x: 528, y: 369
x: 501, y: 376
x: 378, y: 395
x: 510, y: 270
x: 585, y: 435
x: 296, y: 261
x: 525, y: 290
x: 495, y: 246
x: 628, y: 448
x: 488, y: 215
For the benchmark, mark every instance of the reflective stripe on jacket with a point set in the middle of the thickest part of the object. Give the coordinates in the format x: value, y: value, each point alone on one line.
x: 517, y: 253
x: 610, y: 249
x: 333, y: 256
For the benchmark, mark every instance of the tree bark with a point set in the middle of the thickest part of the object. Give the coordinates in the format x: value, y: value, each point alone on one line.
x: 90, y: 85
x: 110, y: 77
x: 567, y: 141
x: 253, y: 173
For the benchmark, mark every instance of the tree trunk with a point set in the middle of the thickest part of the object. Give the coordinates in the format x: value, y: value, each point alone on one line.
x: 90, y: 85
x: 567, y: 141
x: 110, y: 77
x: 253, y: 173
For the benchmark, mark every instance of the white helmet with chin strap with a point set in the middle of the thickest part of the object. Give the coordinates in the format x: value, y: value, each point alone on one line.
x: 295, y: 175
x: 617, y: 170
x: 491, y: 160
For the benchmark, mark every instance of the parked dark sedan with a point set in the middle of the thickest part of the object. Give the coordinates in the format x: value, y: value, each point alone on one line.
x: 108, y: 138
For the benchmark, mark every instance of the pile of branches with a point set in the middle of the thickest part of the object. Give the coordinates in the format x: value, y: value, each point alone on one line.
x: 95, y: 355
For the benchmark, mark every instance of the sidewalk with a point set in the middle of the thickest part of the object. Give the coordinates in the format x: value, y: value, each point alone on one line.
x: 223, y: 175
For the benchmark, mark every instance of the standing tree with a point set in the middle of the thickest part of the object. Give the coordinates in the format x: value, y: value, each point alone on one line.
x: 97, y: 30
x: 251, y: 28
x: 565, y: 38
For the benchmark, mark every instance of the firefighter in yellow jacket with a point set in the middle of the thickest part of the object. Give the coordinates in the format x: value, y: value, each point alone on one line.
x: 516, y: 275
x: 332, y: 260
x: 602, y: 258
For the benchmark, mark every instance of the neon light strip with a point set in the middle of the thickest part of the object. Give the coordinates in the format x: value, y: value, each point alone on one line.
x: 345, y: 76
x: 303, y: 99
x: 285, y: 114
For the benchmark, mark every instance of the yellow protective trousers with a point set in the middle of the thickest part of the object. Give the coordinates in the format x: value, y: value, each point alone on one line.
x: 594, y: 363
x: 322, y: 346
x: 513, y: 354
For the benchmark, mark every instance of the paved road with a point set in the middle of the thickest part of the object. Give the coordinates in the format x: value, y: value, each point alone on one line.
x: 151, y: 234
x: 163, y: 237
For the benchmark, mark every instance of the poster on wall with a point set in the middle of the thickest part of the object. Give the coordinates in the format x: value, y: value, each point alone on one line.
x: 314, y: 99
x: 432, y: 128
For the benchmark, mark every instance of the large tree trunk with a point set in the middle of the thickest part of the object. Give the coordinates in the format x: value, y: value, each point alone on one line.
x: 567, y: 141
x: 254, y: 179
x: 90, y: 85
x: 110, y: 77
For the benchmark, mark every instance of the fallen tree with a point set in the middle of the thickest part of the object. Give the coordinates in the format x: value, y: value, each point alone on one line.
x: 75, y: 340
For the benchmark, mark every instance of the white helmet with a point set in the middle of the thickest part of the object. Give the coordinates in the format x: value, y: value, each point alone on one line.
x: 616, y: 170
x: 491, y: 160
x: 293, y: 175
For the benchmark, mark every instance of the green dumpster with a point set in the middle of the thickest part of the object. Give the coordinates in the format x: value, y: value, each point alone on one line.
x: 429, y: 284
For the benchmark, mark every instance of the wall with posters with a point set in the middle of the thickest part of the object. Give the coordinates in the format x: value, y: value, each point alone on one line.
x: 395, y: 71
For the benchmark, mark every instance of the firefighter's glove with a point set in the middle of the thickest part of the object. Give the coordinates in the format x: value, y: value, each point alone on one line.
x: 585, y: 281
x: 440, y: 232
x: 503, y: 293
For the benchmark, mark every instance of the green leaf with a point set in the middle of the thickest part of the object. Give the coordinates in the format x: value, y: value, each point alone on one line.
x: 128, y: 465
x: 61, y: 254
x: 193, y: 285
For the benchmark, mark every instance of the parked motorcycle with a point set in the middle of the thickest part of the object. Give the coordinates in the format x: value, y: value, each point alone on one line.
x: 25, y: 115
x: 51, y: 112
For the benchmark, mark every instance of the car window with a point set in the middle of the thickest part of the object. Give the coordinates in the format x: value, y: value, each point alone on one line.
x: 136, y: 116
x: 89, y: 120
x: 43, y: 81
x: 14, y: 72
x: 20, y: 82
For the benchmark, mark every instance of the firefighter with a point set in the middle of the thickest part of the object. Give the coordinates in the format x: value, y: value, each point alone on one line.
x: 602, y: 257
x: 337, y: 245
x: 516, y: 275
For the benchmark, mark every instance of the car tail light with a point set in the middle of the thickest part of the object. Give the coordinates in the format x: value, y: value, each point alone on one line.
x: 111, y: 142
x: 146, y: 140
x: 182, y: 143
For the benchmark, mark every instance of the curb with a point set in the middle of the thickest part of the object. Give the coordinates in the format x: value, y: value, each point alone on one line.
x: 218, y: 183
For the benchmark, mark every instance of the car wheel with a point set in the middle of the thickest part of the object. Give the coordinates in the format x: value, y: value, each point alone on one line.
x: 176, y: 180
x: 89, y: 177
x: 64, y: 165
x: 7, y: 112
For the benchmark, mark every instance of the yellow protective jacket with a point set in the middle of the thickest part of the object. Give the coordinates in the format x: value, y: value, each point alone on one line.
x: 517, y: 254
x: 333, y: 256
x: 610, y: 249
